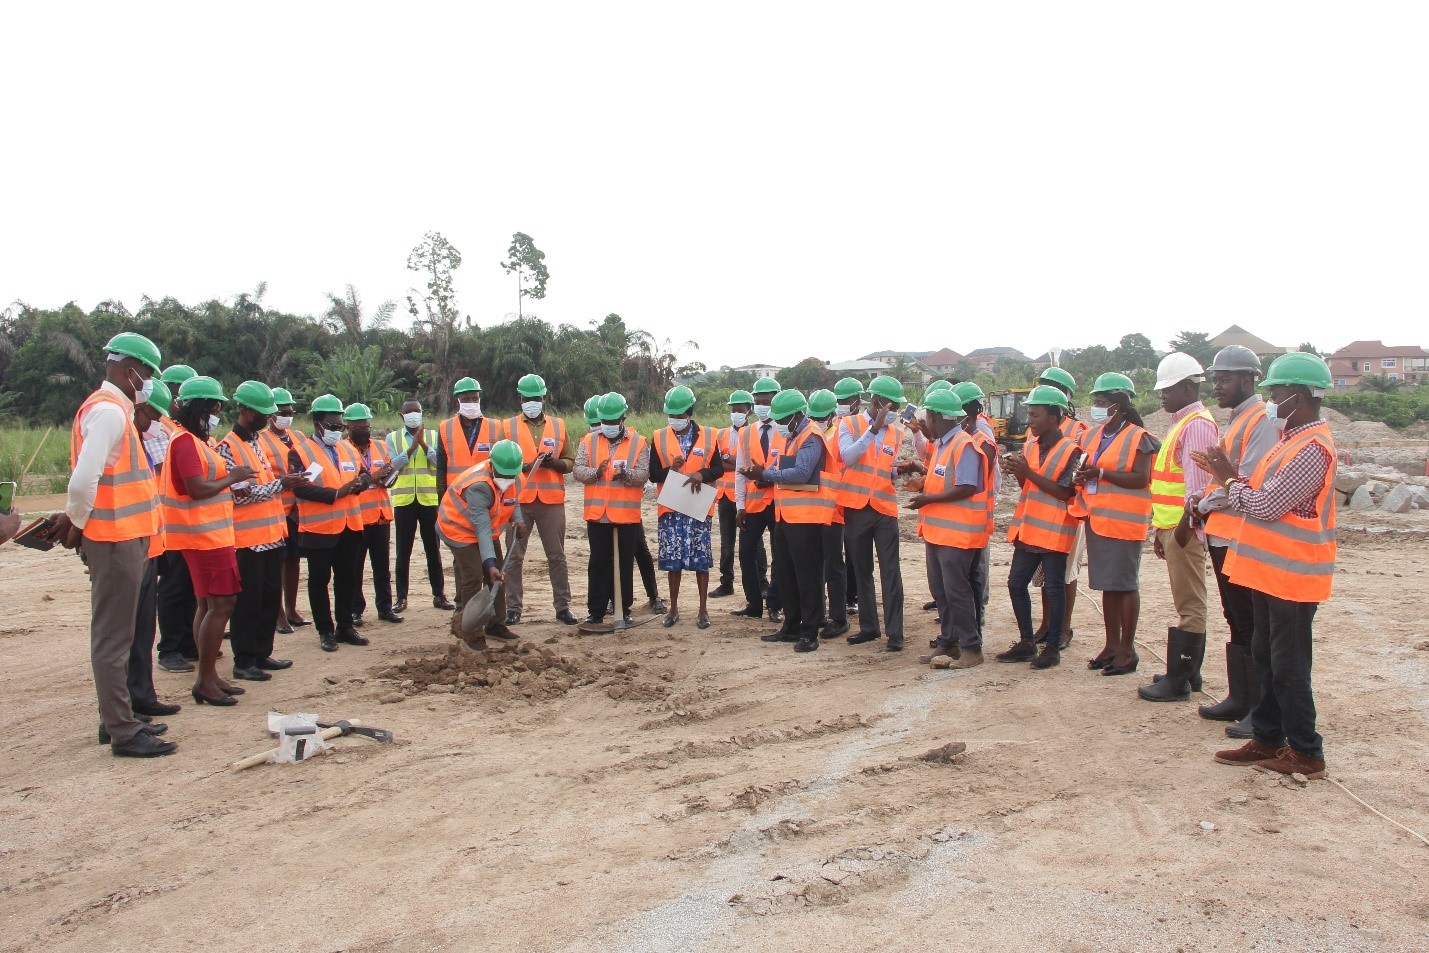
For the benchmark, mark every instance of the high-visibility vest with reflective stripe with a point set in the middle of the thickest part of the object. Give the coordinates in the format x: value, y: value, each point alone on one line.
x: 276, y: 452
x: 1168, y: 479
x: 191, y: 523
x: 605, y: 497
x: 666, y: 444
x: 962, y: 523
x: 1224, y: 523
x: 156, y: 542
x: 543, y: 484
x: 374, y: 503
x: 418, y: 479
x: 1292, y: 558
x: 454, y: 519
x: 833, y: 466
x: 868, y: 481
x: 728, y: 446
x: 1073, y: 428
x: 126, y: 501
x: 803, y: 506
x: 1041, y: 519
x: 343, y: 513
x: 1113, y: 511
x: 756, y: 499
x: 460, y: 455
x: 987, y: 446
x: 255, y: 524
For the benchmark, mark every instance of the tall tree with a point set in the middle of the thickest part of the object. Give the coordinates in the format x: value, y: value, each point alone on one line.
x: 810, y: 374
x: 345, y: 314
x: 1197, y: 344
x: 435, y: 316
x: 1134, y: 352
x: 528, y: 263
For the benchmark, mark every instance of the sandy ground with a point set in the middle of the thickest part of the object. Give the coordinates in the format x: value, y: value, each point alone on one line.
x: 686, y: 790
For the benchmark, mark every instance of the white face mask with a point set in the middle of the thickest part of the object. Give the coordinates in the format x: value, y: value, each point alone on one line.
x: 412, y: 420
x: 470, y: 411
x: 504, y: 483
x: 890, y: 417
x: 1100, y: 414
x: 282, y: 423
x: 532, y: 408
x: 678, y: 424
x: 611, y: 430
x: 738, y: 419
x: 782, y: 429
x: 213, y: 422
x: 1272, y: 411
x: 144, y: 391
x: 761, y: 411
x: 331, y: 437
x: 843, y: 410
x: 153, y: 430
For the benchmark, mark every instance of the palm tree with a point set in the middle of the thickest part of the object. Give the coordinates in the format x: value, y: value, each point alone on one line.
x: 345, y: 314
x: 1380, y: 383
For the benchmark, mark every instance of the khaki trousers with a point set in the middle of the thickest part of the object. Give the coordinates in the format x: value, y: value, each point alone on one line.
x: 1187, y: 571
x: 471, y: 579
x: 116, y: 576
x: 548, y: 519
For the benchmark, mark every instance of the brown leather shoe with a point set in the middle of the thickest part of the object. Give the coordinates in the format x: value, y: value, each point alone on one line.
x: 502, y: 634
x: 1248, y: 754
x: 969, y: 659
x: 1289, y: 761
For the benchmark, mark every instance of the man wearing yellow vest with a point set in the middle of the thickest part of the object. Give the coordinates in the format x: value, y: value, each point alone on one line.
x: 175, y: 600
x: 1174, y: 478
x: 741, y: 405
x: 475, y: 509
x: 414, y: 503
x: 111, y: 512
x: 543, y: 497
x: 1284, y: 552
x: 375, y: 502
x: 612, y: 463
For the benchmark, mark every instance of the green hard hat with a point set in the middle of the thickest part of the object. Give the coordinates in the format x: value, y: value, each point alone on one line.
x: 936, y: 386
x: 848, y: 387
x: 326, y: 404
x: 201, y: 388
x: 531, y: 385
x: 162, y: 399
x: 822, y: 403
x: 465, y: 386
x: 786, y: 404
x: 679, y: 399
x: 1055, y: 375
x: 1299, y: 367
x: 766, y: 385
x: 613, y: 406
x: 968, y: 391
x: 136, y: 346
x: 1045, y: 395
x: 741, y: 397
x: 256, y: 395
x: 282, y: 396
x: 945, y: 402
x: 1112, y: 381
x: 887, y: 387
x: 356, y: 411
x: 506, y: 458
x: 592, y: 411
x: 176, y: 374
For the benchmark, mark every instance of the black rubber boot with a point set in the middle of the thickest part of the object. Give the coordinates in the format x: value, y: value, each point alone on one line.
x: 1242, y: 729
x: 1236, y: 705
x: 1180, y: 663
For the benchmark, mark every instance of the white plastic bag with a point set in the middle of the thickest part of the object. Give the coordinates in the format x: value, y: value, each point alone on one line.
x: 293, y: 748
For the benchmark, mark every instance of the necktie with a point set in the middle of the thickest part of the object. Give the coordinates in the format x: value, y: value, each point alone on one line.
x: 764, y: 439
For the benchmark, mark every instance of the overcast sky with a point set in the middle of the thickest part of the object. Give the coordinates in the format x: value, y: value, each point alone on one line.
x: 771, y: 180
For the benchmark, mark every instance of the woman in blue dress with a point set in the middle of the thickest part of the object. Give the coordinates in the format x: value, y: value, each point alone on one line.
x: 689, y: 453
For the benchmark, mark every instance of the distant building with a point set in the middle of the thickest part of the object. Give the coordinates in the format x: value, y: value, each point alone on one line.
x: 1409, y: 363
x: 760, y: 370
x: 864, y: 370
x: 1235, y: 334
x: 887, y: 358
x: 942, y: 363
x: 986, y: 358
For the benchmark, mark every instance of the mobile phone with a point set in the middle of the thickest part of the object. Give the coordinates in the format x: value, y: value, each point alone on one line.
x: 7, y: 495
x: 909, y: 412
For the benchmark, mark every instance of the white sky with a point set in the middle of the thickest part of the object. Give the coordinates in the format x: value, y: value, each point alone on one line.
x: 773, y: 180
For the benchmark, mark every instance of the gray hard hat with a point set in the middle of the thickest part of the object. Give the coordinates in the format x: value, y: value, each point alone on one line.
x: 1235, y: 358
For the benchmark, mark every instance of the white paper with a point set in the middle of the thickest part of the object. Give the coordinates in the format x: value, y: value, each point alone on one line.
x: 314, y: 471
x: 674, y: 495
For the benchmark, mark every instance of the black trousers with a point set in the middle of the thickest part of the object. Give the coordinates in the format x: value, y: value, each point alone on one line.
x: 646, y: 565
x: 176, y: 607
x: 336, y: 564
x: 600, y: 571
x: 1236, y: 602
x: 140, y: 673
x: 753, y: 564
x: 799, y: 569
x: 1283, y: 650
x: 377, y: 550
x: 835, y: 571
x: 728, y: 539
x: 408, y: 518
x: 255, y: 611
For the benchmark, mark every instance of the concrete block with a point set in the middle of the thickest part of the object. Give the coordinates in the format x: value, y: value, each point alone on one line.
x: 1398, y: 500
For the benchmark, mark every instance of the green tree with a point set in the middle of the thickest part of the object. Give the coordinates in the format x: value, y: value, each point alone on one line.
x: 528, y: 264
x: 356, y: 375
x: 1197, y: 344
x: 808, y: 375
x: 346, y: 314
x: 1134, y: 352
x: 1309, y: 348
x: 435, y: 318
x: 1380, y: 383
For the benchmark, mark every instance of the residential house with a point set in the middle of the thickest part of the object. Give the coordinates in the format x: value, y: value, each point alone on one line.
x: 1235, y: 334
x: 864, y: 370
x: 942, y: 363
x: 1408, y: 363
x: 985, y: 359
x: 887, y: 358
x: 759, y: 370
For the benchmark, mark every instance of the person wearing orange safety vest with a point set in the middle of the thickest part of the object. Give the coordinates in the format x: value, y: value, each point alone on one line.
x: 1174, y: 479
x: 754, y: 508
x: 278, y: 440
x: 1284, y: 552
x: 375, y: 504
x: 612, y: 464
x: 174, y: 601
x: 823, y: 411
x: 1042, y: 531
x: 474, y: 511
x: 1073, y: 429
x: 980, y: 429
x: 543, y: 498
x: 741, y: 405
x: 952, y: 520
x: 465, y: 438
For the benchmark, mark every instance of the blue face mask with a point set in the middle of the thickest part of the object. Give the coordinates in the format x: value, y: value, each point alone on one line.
x: 1100, y: 414
x: 331, y: 437
x: 610, y: 430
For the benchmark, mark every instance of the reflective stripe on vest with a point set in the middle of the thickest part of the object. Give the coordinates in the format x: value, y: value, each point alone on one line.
x: 1168, y: 479
x: 868, y: 481
x: 276, y: 451
x: 545, y: 485
x: 460, y: 455
x: 418, y: 479
x: 728, y: 445
x: 987, y: 446
x: 962, y: 523
x: 605, y: 498
x: 1113, y: 511
x: 804, y: 506
x: 1293, y: 557
x: 374, y: 503
x: 255, y: 524
x: 833, y: 477
x: 1074, y: 429
x: 197, y: 524
x: 666, y: 444
x: 1041, y: 519
x: 454, y: 519
x: 756, y: 499
x: 329, y: 519
x: 126, y: 501
x: 1225, y: 523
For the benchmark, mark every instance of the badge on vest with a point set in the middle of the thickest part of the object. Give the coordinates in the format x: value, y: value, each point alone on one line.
x: 508, y: 502
x: 483, y: 448
x: 348, y: 467
x: 888, y: 451
x: 940, y: 470
x: 549, y: 442
x: 697, y: 452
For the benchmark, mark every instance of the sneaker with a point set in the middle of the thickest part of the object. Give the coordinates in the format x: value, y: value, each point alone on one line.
x: 1248, y: 754
x: 806, y: 645
x: 1050, y: 657
x: 721, y: 591
x: 969, y: 659
x: 1020, y: 651
x: 175, y: 662
x: 1289, y: 761
x: 513, y: 616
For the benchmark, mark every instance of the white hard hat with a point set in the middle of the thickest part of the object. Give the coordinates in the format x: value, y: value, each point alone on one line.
x: 1177, y: 367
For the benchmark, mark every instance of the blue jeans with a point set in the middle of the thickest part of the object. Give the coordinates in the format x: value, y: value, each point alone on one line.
x: 1282, y: 648
x: 1054, y: 569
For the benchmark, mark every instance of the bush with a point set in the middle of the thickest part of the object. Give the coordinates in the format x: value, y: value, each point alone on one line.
x: 1398, y: 409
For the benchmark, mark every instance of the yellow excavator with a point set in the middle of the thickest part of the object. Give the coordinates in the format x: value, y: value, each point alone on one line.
x: 1008, y: 411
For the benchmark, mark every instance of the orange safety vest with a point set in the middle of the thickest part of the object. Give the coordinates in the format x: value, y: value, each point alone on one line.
x: 606, y: 498
x: 756, y: 498
x: 375, y: 504
x: 803, y: 506
x: 987, y: 446
x: 667, y: 447
x: 1041, y: 519
x: 833, y: 476
x: 1073, y: 429
x: 1113, y: 511
x: 868, y: 481
x: 454, y: 519
x: 962, y: 523
x: 545, y: 485
x: 126, y: 504
x: 255, y: 524
x: 191, y: 523
x: 1292, y: 558
x: 277, y: 453
x: 1224, y: 523
x: 728, y: 446
x: 461, y: 456
x: 1168, y: 479
x: 329, y: 519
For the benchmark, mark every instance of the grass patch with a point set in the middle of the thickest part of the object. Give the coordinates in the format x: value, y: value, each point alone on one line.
x: 50, y: 471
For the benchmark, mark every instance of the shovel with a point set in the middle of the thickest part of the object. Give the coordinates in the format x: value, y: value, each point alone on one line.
x: 605, y: 628
x: 481, y: 608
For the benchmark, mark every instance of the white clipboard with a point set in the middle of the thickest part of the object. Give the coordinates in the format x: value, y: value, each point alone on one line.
x: 674, y: 495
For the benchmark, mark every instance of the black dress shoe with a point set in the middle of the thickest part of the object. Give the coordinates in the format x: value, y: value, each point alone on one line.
x: 894, y: 645
x: 567, y: 617
x: 929, y: 606
x: 157, y: 728
x: 442, y: 602
x: 143, y: 745
x: 780, y: 636
x: 776, y: 615
x: 748, y: 612
x: 157, y: 709
x: 175, y: 662
x: 254, y: 674
x: 357, y: 622
x: 400, y: 605
x: 222, y: 701
x: 271, y: 664
x: 806, y: 645
x: 858, y: 638
x: 513, y: 616
x: 719, y: 592
x: 299, y: 623
x: 352, y: 638
x: 833, y: 630
x: 327, y: 641
x: 593, y: 620
x: 389, y: 616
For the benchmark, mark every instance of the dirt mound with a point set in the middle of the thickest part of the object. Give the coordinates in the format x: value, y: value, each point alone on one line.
x: 523, y: 670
